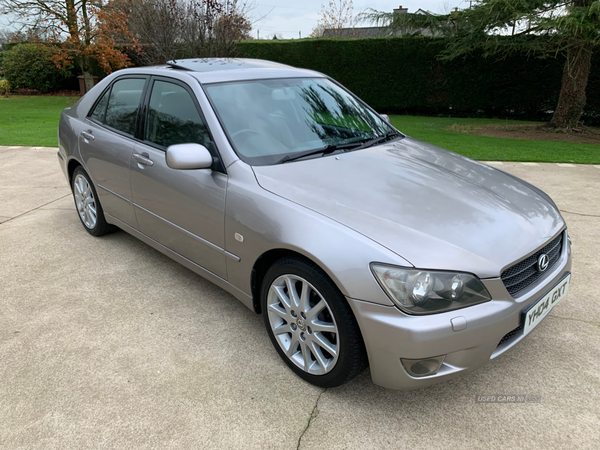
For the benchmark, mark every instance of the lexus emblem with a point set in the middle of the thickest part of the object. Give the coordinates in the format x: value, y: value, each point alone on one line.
x: 542, y: 262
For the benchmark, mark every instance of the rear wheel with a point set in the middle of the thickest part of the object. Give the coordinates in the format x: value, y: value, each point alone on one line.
x: 88, y: 206
x: 310, y: 323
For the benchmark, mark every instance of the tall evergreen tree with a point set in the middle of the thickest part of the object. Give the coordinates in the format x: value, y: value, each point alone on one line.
x: 570, y: 29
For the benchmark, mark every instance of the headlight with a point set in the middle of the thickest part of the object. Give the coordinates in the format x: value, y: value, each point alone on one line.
x: 417, y: 291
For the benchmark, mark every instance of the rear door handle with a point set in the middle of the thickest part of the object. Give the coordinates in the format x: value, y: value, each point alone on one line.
x: 87, y: 135
x: 143, y: 159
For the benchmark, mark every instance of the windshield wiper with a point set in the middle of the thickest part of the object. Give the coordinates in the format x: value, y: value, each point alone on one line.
x: 327, y: 150
x: 379, y: 139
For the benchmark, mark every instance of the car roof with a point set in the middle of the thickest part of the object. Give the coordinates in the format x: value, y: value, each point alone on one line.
x: 213, y: 70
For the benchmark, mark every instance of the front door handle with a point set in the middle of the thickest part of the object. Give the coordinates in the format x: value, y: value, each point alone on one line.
x: 143, y: 159
x: 87, y: 135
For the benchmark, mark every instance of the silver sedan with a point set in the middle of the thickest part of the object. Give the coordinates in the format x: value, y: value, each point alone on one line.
x: 358, y: 244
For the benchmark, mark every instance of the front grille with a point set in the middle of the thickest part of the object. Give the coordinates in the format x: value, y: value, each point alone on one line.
x: 519, y: 276
x: 510, y: 334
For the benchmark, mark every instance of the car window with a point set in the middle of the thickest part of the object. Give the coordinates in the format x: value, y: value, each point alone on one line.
x: 99, y: 112
x: 173, y: 117
x: 123, y: 104
x: 269, y: 120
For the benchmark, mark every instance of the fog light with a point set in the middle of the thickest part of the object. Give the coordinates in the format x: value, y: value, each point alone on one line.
x: 423, y: 367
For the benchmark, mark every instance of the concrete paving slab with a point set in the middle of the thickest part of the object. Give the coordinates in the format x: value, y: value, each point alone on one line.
x: 554, y: 364
x: 65, y: 203
x: 29, y: 178
x: 575, y: 189
x: 106, y: 343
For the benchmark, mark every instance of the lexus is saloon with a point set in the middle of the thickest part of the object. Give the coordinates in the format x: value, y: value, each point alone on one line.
x: 359, y: 245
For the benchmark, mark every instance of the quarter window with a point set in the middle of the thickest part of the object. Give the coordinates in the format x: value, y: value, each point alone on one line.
x: 173, y: 117
x: 100, y: 109
x: 123, y: 104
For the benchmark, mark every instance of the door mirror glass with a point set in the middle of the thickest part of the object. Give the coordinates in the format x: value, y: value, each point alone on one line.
x: 188, y: 157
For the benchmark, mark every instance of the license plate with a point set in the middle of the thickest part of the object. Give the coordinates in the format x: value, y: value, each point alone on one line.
x: 540, y: 309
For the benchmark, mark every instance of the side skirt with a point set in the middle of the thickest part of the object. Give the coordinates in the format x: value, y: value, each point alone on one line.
x: 224, y: 284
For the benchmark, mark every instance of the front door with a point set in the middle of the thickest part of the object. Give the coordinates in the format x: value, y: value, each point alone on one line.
x: 183, y: 210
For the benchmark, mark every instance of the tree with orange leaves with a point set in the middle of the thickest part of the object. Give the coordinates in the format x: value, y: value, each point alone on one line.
x: 85, y: 30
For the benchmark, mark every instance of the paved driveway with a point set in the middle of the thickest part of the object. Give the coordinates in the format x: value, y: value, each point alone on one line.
x: 106, y: 343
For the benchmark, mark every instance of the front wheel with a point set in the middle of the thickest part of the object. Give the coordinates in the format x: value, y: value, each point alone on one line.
x: 310, y: 323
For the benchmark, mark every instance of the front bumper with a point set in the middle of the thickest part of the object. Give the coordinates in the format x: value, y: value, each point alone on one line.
x: 390, y: 334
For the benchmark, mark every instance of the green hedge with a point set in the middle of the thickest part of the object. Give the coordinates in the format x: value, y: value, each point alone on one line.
x: 404, y: 75
x: 2, y: 53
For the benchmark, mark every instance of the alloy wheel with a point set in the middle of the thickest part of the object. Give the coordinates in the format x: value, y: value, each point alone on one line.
x: 303, y: 324
x: 85, y: 202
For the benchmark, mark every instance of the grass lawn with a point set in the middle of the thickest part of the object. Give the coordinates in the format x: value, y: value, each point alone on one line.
x: 429, y: 129
x: 31, y: 120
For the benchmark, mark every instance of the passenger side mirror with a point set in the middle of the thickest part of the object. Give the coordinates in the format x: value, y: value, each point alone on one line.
x: 385, y: 117
x: 188, y: 157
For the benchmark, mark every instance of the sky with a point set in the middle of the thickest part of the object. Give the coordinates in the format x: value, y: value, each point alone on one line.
x: 292, y: 19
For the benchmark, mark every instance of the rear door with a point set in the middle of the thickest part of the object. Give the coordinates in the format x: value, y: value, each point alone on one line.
x: 106, y: 143
x: 182, y: 209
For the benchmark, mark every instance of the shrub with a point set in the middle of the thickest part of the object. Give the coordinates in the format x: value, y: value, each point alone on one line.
x: 4, y: 87
x: 30, y: 66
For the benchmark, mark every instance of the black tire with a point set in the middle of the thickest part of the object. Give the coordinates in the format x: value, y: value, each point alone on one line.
x: 352, y: 358
x: 101, y: 227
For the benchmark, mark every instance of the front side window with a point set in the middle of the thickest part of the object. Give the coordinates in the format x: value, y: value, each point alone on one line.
x: 268, y: 120
x: 123, y: 104
x: 173, y: 117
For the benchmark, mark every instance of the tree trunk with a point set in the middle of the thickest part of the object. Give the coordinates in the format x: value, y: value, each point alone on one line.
x: 571, y: 100
x: 89, y: 80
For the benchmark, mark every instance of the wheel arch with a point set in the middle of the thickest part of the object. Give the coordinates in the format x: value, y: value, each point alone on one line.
x: 71, y: 166
x: 265, y: 261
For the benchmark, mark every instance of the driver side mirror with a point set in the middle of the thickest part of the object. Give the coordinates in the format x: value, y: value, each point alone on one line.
x: 189, y: 157
x: 385, y: 117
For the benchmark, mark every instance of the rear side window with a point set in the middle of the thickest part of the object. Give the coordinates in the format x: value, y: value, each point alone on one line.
x: 123, y: 105
x: 173, y: 117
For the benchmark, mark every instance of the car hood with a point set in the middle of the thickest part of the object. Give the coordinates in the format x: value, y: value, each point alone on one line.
x: 434, y: 208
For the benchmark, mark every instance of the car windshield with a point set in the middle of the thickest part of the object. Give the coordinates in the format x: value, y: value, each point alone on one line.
x: 269, y: 120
